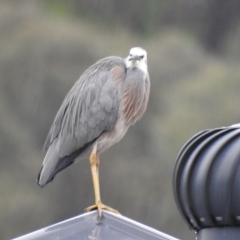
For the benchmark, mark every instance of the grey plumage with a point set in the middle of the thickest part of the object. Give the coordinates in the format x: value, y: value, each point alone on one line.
x: 109, y: 96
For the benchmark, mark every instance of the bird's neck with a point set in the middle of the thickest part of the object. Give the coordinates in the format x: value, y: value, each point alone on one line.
x: 138, y: 65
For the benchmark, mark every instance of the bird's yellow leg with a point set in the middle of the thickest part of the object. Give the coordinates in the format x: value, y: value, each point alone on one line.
x: 94, y: 163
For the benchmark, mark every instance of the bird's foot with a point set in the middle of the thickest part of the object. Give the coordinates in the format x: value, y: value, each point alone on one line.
x: 100, y: 207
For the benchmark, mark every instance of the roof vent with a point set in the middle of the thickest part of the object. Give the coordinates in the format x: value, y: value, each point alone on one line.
x: 206, y: 183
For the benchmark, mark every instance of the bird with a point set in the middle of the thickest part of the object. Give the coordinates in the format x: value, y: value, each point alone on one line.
x: 109, y: 97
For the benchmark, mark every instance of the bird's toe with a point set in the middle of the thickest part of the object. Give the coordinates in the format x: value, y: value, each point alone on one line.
x: 100, y: 206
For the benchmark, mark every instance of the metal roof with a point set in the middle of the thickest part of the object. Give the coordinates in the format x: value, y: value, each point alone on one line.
x: 87, y: 226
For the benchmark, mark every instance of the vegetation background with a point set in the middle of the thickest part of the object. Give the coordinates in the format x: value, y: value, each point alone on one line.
x: 194, y: 56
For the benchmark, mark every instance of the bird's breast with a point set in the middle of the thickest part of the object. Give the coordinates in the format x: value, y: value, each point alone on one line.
x: 135, y: 95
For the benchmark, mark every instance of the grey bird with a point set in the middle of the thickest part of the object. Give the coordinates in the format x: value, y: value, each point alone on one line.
x: 108, y: 98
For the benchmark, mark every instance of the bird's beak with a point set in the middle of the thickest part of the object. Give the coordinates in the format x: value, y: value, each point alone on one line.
x: 134, y: 58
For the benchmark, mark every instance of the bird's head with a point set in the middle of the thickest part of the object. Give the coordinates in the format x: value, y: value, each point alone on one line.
x: 137, y: 58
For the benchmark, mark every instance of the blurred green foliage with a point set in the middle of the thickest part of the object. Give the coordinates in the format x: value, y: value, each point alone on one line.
x: 210, y: 21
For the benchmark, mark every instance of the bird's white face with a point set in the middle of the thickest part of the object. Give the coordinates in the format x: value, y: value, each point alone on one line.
x: 137, y: 59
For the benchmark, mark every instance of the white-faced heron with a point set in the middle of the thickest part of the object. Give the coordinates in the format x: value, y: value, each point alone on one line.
x: 108, y: 98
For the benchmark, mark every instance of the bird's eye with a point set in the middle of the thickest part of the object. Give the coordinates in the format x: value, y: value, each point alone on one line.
x: 141, y: 57
x: 130, y: 55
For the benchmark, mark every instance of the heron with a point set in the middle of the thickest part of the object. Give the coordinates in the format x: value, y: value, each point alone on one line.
x: 108, y: 98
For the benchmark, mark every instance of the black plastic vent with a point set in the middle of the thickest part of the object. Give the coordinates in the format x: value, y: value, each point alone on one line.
x: 206, y: 179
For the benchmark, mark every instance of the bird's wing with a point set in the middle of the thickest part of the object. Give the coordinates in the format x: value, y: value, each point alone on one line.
x: 90, y: 108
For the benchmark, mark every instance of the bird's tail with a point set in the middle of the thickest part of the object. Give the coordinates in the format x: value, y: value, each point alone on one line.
x: 50, y: 163
x: 53, y: 163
